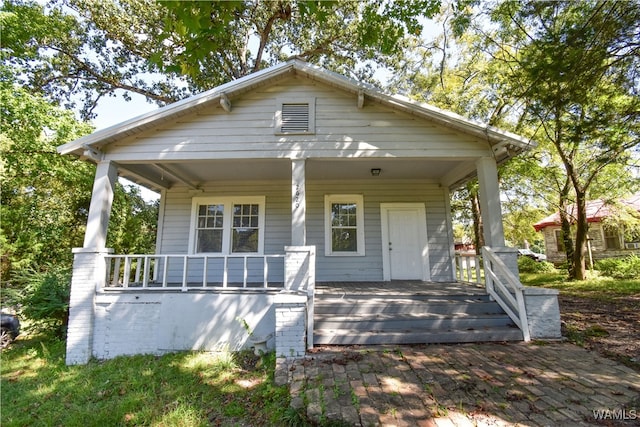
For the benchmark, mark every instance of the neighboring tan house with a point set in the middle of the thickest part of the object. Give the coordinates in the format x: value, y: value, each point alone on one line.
x: 287, y: 179
x: 605, y: 241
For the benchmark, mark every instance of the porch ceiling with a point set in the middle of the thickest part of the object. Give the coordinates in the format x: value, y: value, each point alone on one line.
x: 194, y: 173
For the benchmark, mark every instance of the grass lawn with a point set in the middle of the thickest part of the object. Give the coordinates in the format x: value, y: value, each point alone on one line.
x: 597, y: 287
x: 180, y: 389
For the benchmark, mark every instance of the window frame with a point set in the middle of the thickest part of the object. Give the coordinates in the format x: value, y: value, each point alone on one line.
x: 609, y: 234
x: 310, y: 101
x: 227, y: 225
x: 559, y: 241
x: 358, y: 200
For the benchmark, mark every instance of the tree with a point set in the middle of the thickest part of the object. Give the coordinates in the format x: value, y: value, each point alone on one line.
x: 83, y: 50
x: 45, y: 196
x: 454, y: 74
x: 577, y: 65
x: 569, y: 64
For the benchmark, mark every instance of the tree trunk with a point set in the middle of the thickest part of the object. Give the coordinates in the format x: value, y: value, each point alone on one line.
x: 565, y: 225
x: 478, y: 231
x: 582, y: 228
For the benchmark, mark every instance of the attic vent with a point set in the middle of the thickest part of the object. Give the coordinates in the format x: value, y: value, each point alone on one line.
x: 295, y: 118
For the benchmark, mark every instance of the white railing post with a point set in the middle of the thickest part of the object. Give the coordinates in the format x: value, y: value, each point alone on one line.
x: 147, y: 269
x: 165, y: 271
x: 265, y: 273
x: 466, y: 264
x: 185, y: 268
x: 205, y: 272
x: 225, y: 272
x: 244, y: 273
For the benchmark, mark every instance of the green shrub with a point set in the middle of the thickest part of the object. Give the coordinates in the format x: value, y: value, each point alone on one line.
x: 620, y: 268
x: 45, y: 298
x: 528, y: 265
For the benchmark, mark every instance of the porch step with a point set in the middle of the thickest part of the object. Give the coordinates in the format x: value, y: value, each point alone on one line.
x: 410, y: 319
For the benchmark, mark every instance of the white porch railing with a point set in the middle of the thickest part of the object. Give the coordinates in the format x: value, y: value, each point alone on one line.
x: 468, y: 267
x: 182, y: 271
x: 506, y: 289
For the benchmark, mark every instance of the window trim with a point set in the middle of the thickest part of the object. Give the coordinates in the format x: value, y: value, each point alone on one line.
x: 358, y: 199
x: 310, y: 101
x: 559, y: 242
x: 227, y: 226
x: 611, y: 233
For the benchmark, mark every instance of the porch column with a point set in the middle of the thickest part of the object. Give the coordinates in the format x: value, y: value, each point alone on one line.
x: 89, y: 268
x: 298, y: 203
x: 100, y: 207
x: 491, y: 212
x: 489, y: 193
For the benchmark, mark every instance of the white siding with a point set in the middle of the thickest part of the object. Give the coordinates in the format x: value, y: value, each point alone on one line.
x: 342, y: 130
x: 375, y: 192
x: 278, y: 222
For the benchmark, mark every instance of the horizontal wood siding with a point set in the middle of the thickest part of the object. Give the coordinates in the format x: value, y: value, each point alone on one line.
x: 342, y: 130
x: 375, y: 192
x: 175, y: 233
x: 278, y: 227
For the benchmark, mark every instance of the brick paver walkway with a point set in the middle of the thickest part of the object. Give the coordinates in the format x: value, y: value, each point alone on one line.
x: 556, y: 384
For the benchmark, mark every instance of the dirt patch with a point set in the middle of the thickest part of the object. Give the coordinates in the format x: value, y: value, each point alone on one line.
x: 611, y: 328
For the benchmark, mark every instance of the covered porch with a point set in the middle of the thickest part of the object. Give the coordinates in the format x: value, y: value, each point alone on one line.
x: 182, y: 301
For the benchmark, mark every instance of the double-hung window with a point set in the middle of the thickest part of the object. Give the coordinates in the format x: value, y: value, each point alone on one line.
x: 344, y: 225
x: 611, y: 238
x: 227, y: 225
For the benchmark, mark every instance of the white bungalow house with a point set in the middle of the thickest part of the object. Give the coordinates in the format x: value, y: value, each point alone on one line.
x: 277, y: 182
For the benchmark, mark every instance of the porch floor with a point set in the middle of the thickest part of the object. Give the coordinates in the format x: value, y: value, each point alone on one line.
x: 399, y: 287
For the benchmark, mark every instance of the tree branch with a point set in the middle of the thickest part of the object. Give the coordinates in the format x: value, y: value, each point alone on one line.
x: 116, y: 84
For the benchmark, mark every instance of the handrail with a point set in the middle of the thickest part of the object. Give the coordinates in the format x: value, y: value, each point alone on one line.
x: 506, y: 289
x: 145, y: 271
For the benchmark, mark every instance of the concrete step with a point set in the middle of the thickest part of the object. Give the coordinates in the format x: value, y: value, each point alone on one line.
x: 410, y: 319
x: 350, y: 337
x: 409, y: 322
x: 353, y: 306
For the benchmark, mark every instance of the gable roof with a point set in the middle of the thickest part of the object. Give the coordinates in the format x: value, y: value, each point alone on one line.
x: 505, y: 144
x: 597, y: 210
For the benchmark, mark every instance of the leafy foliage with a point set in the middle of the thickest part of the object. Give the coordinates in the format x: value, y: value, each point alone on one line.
x: 45, y: 196
x: 45, y: 298
x: 45, y: 201
x: 620, y: 268
x: 528, y: 265
x: 562, y: 73
x: 583, y: 101
x: 82, y: 50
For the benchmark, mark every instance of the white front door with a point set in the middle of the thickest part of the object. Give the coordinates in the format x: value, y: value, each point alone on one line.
x: 404, y: 240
